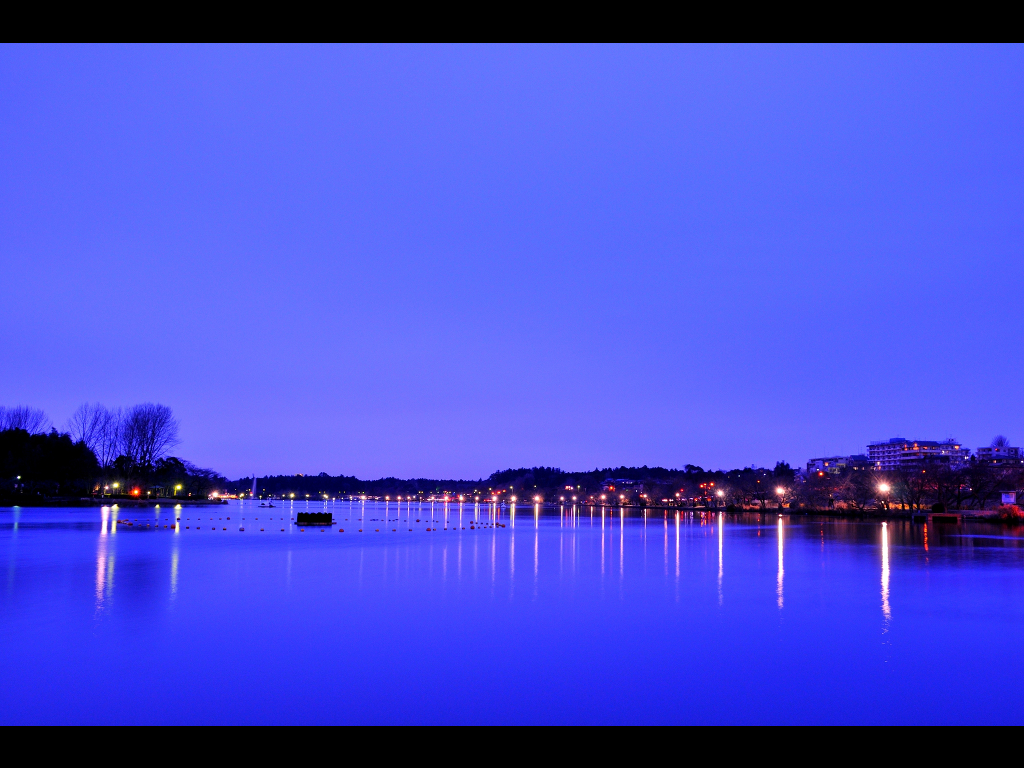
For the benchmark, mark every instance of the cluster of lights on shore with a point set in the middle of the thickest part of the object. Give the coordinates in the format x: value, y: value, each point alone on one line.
x: 779, y: 490
x: 137, y: 491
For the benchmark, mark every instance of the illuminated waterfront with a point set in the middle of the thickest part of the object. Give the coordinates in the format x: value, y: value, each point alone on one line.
x: 566, y: 615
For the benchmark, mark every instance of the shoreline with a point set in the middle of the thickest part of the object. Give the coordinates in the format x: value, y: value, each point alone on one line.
x: 86, y: 503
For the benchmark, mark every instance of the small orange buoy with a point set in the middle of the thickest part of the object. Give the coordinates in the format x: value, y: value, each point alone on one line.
x: 341, y: 530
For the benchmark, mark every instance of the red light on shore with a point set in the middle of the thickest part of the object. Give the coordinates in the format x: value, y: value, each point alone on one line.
x: 136, y: 491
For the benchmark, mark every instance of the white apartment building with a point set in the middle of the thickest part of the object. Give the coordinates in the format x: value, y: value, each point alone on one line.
x: 898, y: 452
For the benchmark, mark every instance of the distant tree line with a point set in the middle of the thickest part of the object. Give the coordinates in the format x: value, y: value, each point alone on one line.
x: 645, y: 485
x: 975, y: 486
x: 102, y: 451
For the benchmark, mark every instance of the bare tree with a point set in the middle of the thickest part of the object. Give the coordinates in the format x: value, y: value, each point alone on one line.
x: 148, y: 431
x: 84, y: 424
x: 983, y: 483
x: 32, y: 420
x: 861, y: 490
x: 99, y: 428
x: 911, y: 485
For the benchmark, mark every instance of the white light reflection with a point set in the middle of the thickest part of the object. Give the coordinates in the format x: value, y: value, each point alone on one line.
x: 886, y: 613
x: 781, y: 570
x: 666, y: 545
x: 536, y: 560
x: 511, y: 564
x: 622, y: 547
x: 677, y: 547
x: 174, y: 571
x: 104, y: 572
x: 721, y: 534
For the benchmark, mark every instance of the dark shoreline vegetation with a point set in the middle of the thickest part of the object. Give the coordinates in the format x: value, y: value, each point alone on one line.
x: 107, y: 455
x: 103, y: 454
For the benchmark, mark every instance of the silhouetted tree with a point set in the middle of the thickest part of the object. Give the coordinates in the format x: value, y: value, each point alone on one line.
x: 100, y: 429
x: 47, y: 464
x: 147, y: 432
x: 32, y: 420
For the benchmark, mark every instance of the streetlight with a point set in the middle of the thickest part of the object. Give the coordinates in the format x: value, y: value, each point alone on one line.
x: 884, y: 488
x: 176, y: 489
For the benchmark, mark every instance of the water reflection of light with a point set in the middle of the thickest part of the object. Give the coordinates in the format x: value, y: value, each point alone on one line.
x: 602, y: 541
x: 677, y: 547
x: 536, y: 559
x: 666, y: 544
x: 174, y: 571
x: 101, y: 571
x: 781, y: 570
x: 622, y: 550
x: 721, y: 534
x: 105, y: 515
x: 104, y: 571
x: 885, y: 572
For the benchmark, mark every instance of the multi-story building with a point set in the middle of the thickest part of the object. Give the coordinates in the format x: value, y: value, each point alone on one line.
x: 900, y: 453
x: 1001, y: 455
x: 836, y: 464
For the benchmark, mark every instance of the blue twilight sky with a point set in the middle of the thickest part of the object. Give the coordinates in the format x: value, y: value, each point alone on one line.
x: 445, y: 261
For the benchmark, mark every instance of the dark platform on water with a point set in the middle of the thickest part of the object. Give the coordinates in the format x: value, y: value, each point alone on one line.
x: 314, y: 518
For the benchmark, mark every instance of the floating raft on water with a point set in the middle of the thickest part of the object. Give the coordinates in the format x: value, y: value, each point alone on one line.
x: 314, y: 518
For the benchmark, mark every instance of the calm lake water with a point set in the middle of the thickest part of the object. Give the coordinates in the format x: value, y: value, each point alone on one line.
x: 557, y: 618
